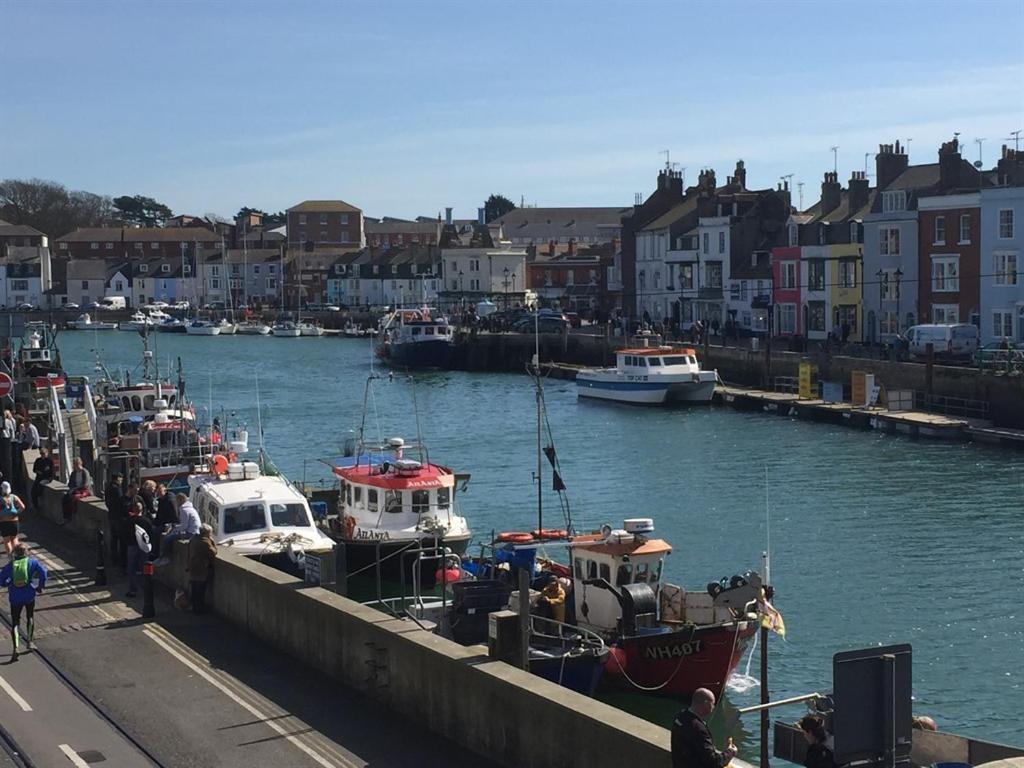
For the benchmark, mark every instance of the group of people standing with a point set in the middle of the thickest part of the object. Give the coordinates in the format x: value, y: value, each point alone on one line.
x: 144, y: 521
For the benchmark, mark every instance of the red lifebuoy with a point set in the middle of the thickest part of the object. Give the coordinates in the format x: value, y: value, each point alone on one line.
x: 515, y: 537
x: 218, y: 465
x: 548, y: 534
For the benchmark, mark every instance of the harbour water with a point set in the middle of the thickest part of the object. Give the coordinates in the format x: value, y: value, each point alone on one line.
x: 874, y: 539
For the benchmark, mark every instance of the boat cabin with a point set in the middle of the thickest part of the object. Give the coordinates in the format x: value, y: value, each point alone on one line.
x: 34, y: 352
x: 657, y: 360
x: 418, y: 325
x: 617, y: 558
x: 243, y: 501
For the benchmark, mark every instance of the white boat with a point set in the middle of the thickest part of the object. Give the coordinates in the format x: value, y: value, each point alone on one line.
x: 86, y: 323
x: 202, y: 328
x: 308, y: 329
x: 226, y: 328
x: 259, y: 516
x: 351, y: 330
x: 249, y: 328
x: 138, y: 322
x: 650, y: 376
x: 287, y: 329
x: 158, y: 316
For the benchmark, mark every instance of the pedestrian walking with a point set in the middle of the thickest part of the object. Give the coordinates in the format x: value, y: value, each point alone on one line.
x: 692, y: 746
x: 202, y: 551
x: 42, y: 469
x: 138, y: 532
x: 10, y: 508
x: 24, y: 577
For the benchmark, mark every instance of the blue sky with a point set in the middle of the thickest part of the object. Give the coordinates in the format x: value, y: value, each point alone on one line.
x: 403, y: 108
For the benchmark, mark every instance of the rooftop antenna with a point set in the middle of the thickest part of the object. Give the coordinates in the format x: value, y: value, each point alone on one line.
x: 908, y: 147
x: 980, y: 162
x: 682, y: 171
x: 866, y: 156
x: 1015, y: 136
x: 835, y: 159
x: 787, y: 178
x: 668, y: 158
x: 800, y: 187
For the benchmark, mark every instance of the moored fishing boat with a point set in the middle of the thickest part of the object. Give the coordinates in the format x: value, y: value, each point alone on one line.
x: 650, y: 376
x: 37, y: 365
x: 85, y: 322
x: 172, y: 325
x: 415, y: 338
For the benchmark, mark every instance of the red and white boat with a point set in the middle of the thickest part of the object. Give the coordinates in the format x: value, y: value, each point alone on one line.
x: 665, y: 640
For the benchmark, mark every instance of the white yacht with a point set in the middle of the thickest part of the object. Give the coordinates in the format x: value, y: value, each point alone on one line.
x: 138, y: 322
x: 650, y: 376
x: 309, y: 329
x: 251, y: 328
x: 85, y: 322
x: 227, y: 328
x: 259, y: 516
x: 202, y: 328
x: 287, y: 329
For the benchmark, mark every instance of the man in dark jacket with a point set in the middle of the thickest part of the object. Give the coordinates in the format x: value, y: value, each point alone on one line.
x: 692, y: 746
x: 42, y: 468
x: 115, y: 501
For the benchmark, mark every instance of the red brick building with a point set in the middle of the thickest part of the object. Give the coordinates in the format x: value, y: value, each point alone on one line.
x: 20, y: 235
x: 314, y: 224
x: 949, y: 258
x: 398, y: 233
x: 128, y: 243
x: 574, y: 281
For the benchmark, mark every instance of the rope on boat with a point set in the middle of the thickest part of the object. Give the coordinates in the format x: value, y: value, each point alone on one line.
x: 668, y: 680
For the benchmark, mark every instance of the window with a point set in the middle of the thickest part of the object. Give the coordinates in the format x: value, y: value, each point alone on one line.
x: 19, y: 285
x: 323, y: 235
x: 393, y: 502
x: 721, y: 242
x: 215, y: 271
x: 215, y: 284
x: 272, y: 283
x: 344, y: 236
x: 142, y: 284
x: 138, y: 246
x: 894, y: 201
x: 398, y: 240
x: 1002, y: 323
x: 822, y: 232
x: 109, y: 246
x: 1004, y: 268
x: 186, y: 269
x: 714, y: 274
x: 888, y: 323
x: 945, y: 314
x: 787, y: 318
x: 686, y: 277
x: 889, y: 241
x: 63, y: 246
x: 965, y: 228
x: 272, y: 268
x: 854, y: 232
x: 118, y: 286
x: 734, y: 291
x: 256, y: 269
x: 154, y: 246
x: 794, y: 234
x: 816, y: 316
x: 744, y: 290
x: 940, y: 231
x: 344, y: 218
x: 455, y: 265
x: 289, y: 514
x: 247, y: 517
x: 302, y: 236
x: 85, y: 285
x: 848, y: 273
x: 789, y: 274
x: 846, y: 314
x: 371, y: 499
x: 94, y: 246
x: 945, y: 274
x: 420, y: 502
x: 1006, y: 224
x: 706, y: 240
x: 143, y: 267
x: 816, y: 275
x: 302, y: 218
x: 165, y: 268
x: 323, y: 219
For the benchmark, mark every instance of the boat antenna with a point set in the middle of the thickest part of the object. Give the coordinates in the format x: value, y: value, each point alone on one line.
x: 767, y: 530
x: 259, y: 420
x: 540, y: 401
x: 416, y: 411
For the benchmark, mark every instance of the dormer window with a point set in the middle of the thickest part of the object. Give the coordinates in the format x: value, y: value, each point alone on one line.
x: 143, y: 267
x: 165, y: 268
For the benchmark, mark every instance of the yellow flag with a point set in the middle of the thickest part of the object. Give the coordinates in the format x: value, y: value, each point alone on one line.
x: 770, y: 616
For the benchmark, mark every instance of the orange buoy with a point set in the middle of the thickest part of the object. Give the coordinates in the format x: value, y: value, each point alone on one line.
x: 218, y: 465
x: 547, y: 534
x: 447, y: 575
x: 515, y: 537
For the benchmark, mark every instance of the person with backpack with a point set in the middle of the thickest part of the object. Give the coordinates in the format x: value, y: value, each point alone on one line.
x: 24, y: 577
x: 138, y: 533
x: 10, y: 507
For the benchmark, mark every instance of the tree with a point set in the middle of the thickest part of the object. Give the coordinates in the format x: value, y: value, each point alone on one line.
x: 141, y: 211
x: 497, y: 206
x: 50, y: 208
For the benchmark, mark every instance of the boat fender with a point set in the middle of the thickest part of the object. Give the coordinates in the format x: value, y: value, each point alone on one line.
x: 615, y: 662
x: 515, y: 537
x: 547, y: 534
x: 447, y: 575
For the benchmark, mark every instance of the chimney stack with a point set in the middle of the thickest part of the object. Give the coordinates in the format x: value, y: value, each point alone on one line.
x: 890, y: 162
x: 949, y: 164
x: 480, y: 215
x: 448, y: 216
x: 831, y: 192
x: 858, y: 191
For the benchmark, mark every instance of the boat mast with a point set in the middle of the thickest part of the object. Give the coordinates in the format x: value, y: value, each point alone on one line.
x: 536, y: 373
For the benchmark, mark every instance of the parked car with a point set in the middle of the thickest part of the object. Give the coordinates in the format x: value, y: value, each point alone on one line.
x: 1000, y: 352
x: 71, y: 305
x: 315, y: 307
x: 948, y: 340
x: 332, y: 308
x: 25, y: 307
x: 216, y: 306
x: 183, y: 305
x: 542, y: 324
x: 155, y: 305
x: 113, y: 302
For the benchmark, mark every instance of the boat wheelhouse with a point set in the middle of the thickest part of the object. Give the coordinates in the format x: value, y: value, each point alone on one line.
x: 86, y: 322
x: 415, y: 338
x: 389, y: 502
x: 665, y: 639
x: 260, y: 516
x: 37, y: 365
x: 651, y: 376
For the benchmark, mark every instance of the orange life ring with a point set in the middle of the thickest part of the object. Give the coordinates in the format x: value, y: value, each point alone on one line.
x: 218, y: 465
x: 515, y: 537
x: 547, y: 534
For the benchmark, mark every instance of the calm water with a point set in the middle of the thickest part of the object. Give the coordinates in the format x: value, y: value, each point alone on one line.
x: 874, y: 539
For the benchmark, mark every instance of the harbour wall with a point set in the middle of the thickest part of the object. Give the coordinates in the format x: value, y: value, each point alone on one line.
x: 487, y: 706
x: 743, y: 366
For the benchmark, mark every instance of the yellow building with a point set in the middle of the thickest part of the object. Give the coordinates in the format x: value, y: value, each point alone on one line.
x: 846, y: 289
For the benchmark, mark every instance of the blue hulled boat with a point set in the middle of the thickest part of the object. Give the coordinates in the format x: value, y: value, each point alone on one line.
x: 415, y: 338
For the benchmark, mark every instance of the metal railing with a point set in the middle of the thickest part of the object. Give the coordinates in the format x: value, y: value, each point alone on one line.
x: 63, y: 439
x: 951, y: 406
x: 789, y: 384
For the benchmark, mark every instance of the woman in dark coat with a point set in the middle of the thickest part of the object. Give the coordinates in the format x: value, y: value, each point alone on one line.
x: 818, y: 754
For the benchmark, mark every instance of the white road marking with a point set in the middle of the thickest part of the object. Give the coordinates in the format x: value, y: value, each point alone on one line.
x: 54, y: 569
x: 73, y: 756
x: 15, y: 695
x: 273, y: 725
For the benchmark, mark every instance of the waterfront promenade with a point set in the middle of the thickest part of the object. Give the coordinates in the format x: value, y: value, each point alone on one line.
x: 180, y: 690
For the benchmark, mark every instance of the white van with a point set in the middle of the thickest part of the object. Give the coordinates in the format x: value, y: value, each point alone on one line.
x: 959, y: 340
x: 112, y: 302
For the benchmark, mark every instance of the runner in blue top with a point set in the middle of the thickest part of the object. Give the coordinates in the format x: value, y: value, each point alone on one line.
x: 24, y: 577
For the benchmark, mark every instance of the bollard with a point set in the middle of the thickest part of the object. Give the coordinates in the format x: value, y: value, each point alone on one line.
x: 101, y: 570
x: 148, y: 608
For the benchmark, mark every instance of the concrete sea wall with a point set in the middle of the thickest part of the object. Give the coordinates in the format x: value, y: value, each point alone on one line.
x: 487, y: 706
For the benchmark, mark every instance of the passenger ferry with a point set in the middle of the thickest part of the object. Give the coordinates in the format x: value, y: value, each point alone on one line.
x: 391, y: 504
x: 259, y: 516
x: 415, y: 338
x: 650, y: 376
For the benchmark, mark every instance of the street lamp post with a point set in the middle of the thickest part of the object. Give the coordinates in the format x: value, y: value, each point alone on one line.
x: 462, y: 299
x: 882, y: 276
x: 899, y: 276
x: 505, y: 283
